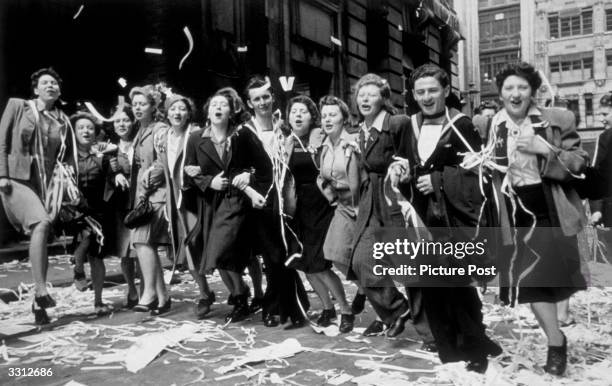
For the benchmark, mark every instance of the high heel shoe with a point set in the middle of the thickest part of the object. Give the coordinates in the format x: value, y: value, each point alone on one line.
x: 40, y: 316
x: 325, y: 319
x: 556, y: 359
x: 162, y: 309
x: 146, y: 307
x: 398, y: 326
x: 270, y: 321
x: 297, y: 322
x: 358, y: 304
x: 131, y: 303
x: 346, y: 323
x: 45, y: 301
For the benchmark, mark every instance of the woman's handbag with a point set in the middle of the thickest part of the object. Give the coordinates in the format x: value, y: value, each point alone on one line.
x: 140, y: 215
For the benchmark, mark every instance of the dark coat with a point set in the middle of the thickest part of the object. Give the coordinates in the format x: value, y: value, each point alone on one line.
x: 221, y: 214
x: 601, y: 177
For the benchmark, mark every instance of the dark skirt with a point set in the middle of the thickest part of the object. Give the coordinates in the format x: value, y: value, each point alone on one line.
x: 546, y: 268
x: 311, y: 222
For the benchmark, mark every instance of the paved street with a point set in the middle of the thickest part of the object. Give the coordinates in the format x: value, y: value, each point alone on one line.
x: 78, y: 341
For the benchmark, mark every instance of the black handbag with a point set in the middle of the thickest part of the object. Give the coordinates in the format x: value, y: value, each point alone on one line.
x: 140, y: 215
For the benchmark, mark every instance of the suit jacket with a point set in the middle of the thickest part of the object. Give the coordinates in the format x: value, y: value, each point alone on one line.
x: 144, y: 157
x: 17, y: 142
x: 600, y: 178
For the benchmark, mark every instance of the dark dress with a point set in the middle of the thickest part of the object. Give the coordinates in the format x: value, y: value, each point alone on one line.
x: 313, y: 213
x: 220, y: 230
x: 284, y: 288
x: 453, y: 310
x: 117, y: 239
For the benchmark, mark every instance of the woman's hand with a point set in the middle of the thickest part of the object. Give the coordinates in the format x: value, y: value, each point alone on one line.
x: 219, y: 182
x: 5, y: 185
x: 193, y: 170
x: 595, y: 218
x: 241, y: 181
x: 114, y: 165
x: 257, y: 200
x: 424, y: 184
x: 532, y: 144
x: 121, y: 182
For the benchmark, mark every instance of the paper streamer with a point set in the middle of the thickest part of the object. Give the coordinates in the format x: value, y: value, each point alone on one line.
x: 336, y: 41
x: 78, y: 12
x: 95, y: 112
x: 190, y: 40
x: 156, y: 51
x: 242, y: 49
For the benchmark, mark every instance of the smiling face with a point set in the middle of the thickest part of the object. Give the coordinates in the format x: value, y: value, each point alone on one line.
x: 369, y: 101
x: 300, y: 119
x: 122, y: 125
x: 516, y: 96
x: 178, y: 114
x: 605, y: 116
x: 142, y: 108
x: 430, y: 95
x: 85, y: 132
x: 332, y: 120
x: 219, y: 111
x: 261, y: 101
x: 47, y: 89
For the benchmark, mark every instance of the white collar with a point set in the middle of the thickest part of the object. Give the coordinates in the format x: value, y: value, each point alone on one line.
x: 503, y: 114
x: 378, y: 121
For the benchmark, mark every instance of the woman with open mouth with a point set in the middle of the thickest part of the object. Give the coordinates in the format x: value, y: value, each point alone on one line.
x: 219, y: 160
x: 35, y: 137
x: 313, y: 213
x: 541, y: 150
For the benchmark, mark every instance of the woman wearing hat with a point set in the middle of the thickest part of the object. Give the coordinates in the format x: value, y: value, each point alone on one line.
x: 146, y: 238
x: 35, y: 135
x: 92, y: 168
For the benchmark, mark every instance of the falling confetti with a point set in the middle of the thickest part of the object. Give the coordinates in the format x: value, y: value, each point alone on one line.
x: 95, y: 112
x: 190, y: 40
x: 336, y: 41
x: 78, y: 12
x: 243, y: 49
x: 122, y: 82
x: 156, y: 51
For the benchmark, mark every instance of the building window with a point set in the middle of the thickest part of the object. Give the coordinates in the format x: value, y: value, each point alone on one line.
x: 491, y: 65
x: 608, y: 19
x: 588, y: 110
x: 570, y: 23
x: 571, y: 69
x: 500, y: 28
x: 315, y: 23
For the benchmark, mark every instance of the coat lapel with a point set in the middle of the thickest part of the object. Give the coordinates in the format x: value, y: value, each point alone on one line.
x: 208, y: 148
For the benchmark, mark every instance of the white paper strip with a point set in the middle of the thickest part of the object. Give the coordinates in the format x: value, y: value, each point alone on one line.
x: 242, y: 49
x: 122, y: 82
x: 156, y: 51
x: 78, y: 12
x: 336, y: 41
x: 95, y: 112
x: 190, y: 40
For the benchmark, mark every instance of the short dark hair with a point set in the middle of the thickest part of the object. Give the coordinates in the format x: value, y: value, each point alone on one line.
x: 234, y: 101
x: 522, y: 70
x: 310, y: 105
x: 330, y: 100
x: 383, y: 86
x: 34, y: 78
x: 256, y: 81
x: 427, y: 70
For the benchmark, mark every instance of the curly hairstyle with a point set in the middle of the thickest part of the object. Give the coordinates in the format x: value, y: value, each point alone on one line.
x: 330, y: 100
x: 180, y: 98
x: 149, y: 92
x: 522, y: 70
x: 36, y: 75
x: 315, y: 116
x: 234, y: 103
x: 239, y: 106
x: 383, y: 86
x: 429, y: 70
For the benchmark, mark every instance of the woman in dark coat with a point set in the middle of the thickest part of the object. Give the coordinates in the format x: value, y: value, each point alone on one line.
x: 541, y: 150
x: 447, y: 198
x: 313, y: 213
x: 285, y: 296
x: 218, y: 159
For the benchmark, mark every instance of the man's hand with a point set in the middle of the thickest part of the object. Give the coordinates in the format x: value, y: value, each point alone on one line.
x: 121, y: 182
x: 532, y: 144
x: 219, y: 182
x: 5, y: 186
x: 424, y: 184
x: 192, y: 170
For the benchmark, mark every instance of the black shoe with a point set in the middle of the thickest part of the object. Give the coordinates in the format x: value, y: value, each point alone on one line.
x: 556, y: 359
x: 231, y: 300
x: 163, y: 308
x: 325, y: 319
x: 240, y: 311
x: 358, y: 304
x: 40, y: 316
x: 202, y: 307
x: 397, y: 327
x: 429, y: 347
x: 492, y: 348
x: 478, y: 366
x: 102, y: 309
x: 146, y: 307
x: 296, y: 323
x: 270, y: 321
x: 375, y: 328
x: 256, y: 305
x: 45, y: 301
x: 346, y: 323
x: 131, y: 303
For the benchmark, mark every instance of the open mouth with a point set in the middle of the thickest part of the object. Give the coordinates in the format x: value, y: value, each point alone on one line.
x: 218, y: 115
x: 516, y: 104
x: 366, y: 107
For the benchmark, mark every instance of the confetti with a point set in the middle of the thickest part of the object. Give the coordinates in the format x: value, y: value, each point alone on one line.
x: 242, y: 48
x: 78, y: 12
x: 95, y: 112
x: 122, y: 82
x: 190, y: 41
x: 156, y: 51
x: 336, y: 41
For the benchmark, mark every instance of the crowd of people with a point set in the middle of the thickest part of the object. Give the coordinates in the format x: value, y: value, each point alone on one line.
x: 310, y: 193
